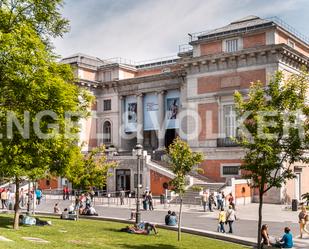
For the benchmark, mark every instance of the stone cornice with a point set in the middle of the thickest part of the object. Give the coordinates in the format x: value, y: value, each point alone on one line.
x: 246, y: 57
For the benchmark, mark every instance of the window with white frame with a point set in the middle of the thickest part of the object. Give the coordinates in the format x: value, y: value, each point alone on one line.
x: 229, y: 121
x: 231, y: 45
x: 230, y: 170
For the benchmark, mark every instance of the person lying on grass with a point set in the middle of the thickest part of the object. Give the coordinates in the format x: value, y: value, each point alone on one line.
x: 31, y: 221
x: 142, y: 228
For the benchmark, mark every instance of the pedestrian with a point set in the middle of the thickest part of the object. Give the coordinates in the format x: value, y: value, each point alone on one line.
x: 38, y: 193
x: 211, y: 201
x: 231, y: 201
x: 230, y: 218
x: 10, y: 197
x: 56, y: 209
x: 219, y: 200
x: 67, y: 193
x: 92, y: 194
x: 64, y: 193
x: 302, y: 220
x: 22, y: 197
x: 221, y: 220
x: 150, y: 201
x: 223, y: 198
x: 205, y: 200
x: 122, y: 196
x: 4, y: 198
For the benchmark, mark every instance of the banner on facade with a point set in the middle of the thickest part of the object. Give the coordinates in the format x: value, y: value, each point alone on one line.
x: 151, y: 112
x: 130, y: 114
x: 172, y: 104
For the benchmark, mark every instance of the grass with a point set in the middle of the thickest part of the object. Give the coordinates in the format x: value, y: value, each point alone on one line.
x: 99, y: 234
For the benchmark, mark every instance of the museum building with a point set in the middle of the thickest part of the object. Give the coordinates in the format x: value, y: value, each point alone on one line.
x: 191, y: 96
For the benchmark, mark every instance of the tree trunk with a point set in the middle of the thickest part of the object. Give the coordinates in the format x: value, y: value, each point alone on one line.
x: 179, y: 222
x: 260, y: 219
x: 16, y: 206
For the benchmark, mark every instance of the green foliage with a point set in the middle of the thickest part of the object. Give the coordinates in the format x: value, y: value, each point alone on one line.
x: 305, y: 197
x: 89, y: 170
x: 272, y: 145
x: 182, y: 160
x: 196, y: 188
x: 32, y: 82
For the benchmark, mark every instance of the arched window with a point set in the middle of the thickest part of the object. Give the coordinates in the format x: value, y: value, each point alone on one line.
x: 107, y: 132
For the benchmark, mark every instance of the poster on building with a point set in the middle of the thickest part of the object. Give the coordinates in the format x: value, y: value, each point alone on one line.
x: 130, y: 114
x: 172, y: 105
x: 151, y: 112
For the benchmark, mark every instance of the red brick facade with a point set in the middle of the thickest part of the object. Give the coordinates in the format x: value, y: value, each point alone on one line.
x: 211, y: 48
x: 212, y: 168
x: 156, y: 182
x: 255, y: 40
x: 208, y: 113
x: 237, y: 80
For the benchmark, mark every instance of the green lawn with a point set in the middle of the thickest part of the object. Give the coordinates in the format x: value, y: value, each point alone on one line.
x: 98, y: 234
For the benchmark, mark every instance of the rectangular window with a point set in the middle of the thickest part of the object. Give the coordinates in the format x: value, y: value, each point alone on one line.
x: 107, y: 105
x: 229, y: 121
x: 231, y: 45
x: 230, y: 170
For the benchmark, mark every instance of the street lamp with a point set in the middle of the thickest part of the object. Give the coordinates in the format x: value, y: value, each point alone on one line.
x: 139, y: 152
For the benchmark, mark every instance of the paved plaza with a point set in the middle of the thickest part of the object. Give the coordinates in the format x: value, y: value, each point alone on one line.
x: 276, y: 216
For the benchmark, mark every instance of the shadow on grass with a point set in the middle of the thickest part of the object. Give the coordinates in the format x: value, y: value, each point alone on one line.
x: 158, y: 246
x: 6, y: 222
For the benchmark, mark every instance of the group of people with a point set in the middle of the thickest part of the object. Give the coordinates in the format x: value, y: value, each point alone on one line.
x: 219, y: 200
x: 226, y: 218
x: 143, y: 228
x: 171, y: 218
x: 285, y: 242
x: 148, y: 201
x: 66, y: 193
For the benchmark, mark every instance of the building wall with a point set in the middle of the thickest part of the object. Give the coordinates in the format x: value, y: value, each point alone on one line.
x: 254, y: 40
x: 211, y: 48
x: 212, y: 168
x: 157, y: 181
x: 53, y: 183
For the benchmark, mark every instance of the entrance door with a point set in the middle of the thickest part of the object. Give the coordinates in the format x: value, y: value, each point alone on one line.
x: 170, y: 135
x: 297, y: 181
x: 123, y: 177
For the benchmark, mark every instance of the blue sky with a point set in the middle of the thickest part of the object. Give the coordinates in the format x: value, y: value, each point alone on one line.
x: 147, y: 29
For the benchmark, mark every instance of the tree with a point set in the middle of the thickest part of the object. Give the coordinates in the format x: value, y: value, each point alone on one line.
x: 273, y: 131
x: 37, y: 94
x: 182, y: 160
x: 90, y: 170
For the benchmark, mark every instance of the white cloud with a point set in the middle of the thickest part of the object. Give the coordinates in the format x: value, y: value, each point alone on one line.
x: 148, y: 29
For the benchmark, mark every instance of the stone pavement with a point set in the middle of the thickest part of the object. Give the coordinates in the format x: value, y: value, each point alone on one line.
x: 193, y: 217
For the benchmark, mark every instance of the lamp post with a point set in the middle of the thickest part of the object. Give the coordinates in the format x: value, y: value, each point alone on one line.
x: 139, y: 152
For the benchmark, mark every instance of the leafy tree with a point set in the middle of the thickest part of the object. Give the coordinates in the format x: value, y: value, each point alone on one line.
x: 182, y: 160
x: 272, y: 132
x: 306, y: 198
x: 34, y: 141
x: 90, y: 170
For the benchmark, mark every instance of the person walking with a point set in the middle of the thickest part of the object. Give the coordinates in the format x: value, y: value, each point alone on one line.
x: 150, y: 201
x: 211, y: 201
x: 221, y: 221
x: 231, y: 201
x: 301, y: 220
x: 205, y: 200
x: 219, y: 201
x: 22, y: 198
x: 122, y: 196
x: 38, y: 193
x: 230, y: 218
x: 4, y: 198
x: 67, y: 192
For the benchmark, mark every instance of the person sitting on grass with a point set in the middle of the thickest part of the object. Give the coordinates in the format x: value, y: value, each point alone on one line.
x: 65, y: 214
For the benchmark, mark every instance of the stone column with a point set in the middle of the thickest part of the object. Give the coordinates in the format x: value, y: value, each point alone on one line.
x: 161, y: 118
x: 140, y: 119
x: 121, y: 120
